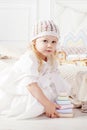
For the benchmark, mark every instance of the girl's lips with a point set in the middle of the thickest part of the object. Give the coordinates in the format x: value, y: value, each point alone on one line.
x: 49, y: 50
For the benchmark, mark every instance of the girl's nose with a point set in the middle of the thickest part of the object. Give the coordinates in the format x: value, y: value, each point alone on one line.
x: 50, y: 44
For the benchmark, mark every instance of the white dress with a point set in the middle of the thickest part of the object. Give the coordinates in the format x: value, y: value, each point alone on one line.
x: 15, y: 99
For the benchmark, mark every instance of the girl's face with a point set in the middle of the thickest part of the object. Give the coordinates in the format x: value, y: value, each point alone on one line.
x: 46, y: 45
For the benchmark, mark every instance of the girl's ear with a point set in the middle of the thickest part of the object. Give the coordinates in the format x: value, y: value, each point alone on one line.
x: 33, y: 43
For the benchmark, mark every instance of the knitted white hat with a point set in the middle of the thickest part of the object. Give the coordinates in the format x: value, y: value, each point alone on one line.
x: 43, y: 28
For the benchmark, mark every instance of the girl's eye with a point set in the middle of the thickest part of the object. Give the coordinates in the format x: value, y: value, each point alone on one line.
x: 53, y: 41
x: 45, y: 41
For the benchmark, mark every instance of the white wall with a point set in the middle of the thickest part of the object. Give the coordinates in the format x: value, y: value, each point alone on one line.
x: 16, y: 18
x: 71, y: 17
x: 43, y: 9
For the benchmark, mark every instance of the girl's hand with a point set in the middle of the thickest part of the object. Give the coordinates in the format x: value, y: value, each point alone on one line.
x: 50, y: 110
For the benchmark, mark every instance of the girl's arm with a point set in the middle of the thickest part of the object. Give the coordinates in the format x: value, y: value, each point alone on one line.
x: 50, y: 107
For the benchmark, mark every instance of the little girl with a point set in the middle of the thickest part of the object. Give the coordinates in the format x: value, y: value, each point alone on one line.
x: 32, y: 85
